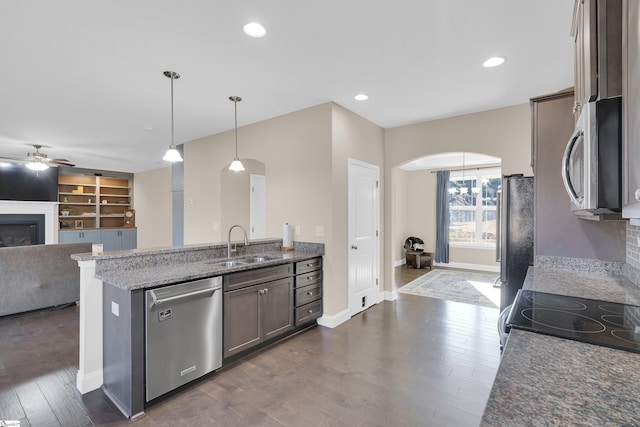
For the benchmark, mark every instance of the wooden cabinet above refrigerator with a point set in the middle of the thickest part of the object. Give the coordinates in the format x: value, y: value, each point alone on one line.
x: 597, y: 33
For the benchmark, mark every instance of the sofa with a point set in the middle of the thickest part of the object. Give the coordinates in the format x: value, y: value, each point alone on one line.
x: 39, y: 276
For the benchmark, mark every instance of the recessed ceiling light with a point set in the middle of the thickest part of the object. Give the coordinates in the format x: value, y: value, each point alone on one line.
x: 361, y: 97
x: 253, y: 29
x: 493, y: 62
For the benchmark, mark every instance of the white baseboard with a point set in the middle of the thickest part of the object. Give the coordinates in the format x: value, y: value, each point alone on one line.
x: 89, y: 382
x: 390, y: 295
x: 399, y: 262
x: 331, y: 321
x: 466, y: 266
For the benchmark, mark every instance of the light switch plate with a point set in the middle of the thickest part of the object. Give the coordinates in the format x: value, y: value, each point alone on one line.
x: 319, y: 231
x: 298, y: 230
x: 115, y: 308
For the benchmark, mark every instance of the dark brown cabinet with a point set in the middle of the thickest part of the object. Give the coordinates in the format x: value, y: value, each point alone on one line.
x: 256, y: 312
x: 308, y: 290
x: 631, y: 110
x: 597, y: 33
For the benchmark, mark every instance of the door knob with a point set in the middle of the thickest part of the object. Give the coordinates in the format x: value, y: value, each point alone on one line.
x: 355, y: 247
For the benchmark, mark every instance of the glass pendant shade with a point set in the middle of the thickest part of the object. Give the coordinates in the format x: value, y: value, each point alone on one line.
x: 236, y: 166
x: 172, y: 155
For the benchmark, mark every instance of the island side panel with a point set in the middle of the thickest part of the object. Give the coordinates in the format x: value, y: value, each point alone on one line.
x: 123, y: 349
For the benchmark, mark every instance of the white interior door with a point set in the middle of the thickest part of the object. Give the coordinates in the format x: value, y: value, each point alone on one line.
x: 364, y: 212
x: 257, y: 206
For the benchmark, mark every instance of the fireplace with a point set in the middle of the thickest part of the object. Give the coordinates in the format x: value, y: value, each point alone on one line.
x: 22, y: 230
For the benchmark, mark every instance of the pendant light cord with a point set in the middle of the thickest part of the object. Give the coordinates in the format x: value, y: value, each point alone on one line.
x: 235, y: 108
x: 172, y: 134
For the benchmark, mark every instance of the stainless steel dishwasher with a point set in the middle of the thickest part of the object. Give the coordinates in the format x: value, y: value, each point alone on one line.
x: 183, y: 334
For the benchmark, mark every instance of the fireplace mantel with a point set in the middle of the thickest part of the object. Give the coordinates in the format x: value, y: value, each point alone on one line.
x: 48, y: 209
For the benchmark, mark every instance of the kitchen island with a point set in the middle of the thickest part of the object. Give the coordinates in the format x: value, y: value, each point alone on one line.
x: 137, y: 270
x: 546, y: 380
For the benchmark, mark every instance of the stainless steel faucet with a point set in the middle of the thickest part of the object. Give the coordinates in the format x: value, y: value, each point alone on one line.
x: 246, y: 241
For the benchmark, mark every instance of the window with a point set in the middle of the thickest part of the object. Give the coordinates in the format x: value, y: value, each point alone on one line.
x: 472, y: 207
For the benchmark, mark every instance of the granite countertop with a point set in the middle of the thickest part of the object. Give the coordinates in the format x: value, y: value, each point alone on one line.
x: 545, y: 380
x: 140, y: 269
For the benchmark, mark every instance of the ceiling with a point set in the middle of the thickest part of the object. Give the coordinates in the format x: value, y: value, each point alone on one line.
x: 85, y: 78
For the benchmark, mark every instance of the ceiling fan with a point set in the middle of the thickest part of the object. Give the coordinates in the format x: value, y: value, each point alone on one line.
x: 40, y: 161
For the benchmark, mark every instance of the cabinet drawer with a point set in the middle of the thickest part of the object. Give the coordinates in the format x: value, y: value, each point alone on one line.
x: 243, y: 279
x: 308, y: 294
x: 308, y: 278
x: 308, y: 265
x: 308, y: 312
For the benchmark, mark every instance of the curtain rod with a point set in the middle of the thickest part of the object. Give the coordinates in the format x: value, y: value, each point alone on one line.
x: 467, y: 169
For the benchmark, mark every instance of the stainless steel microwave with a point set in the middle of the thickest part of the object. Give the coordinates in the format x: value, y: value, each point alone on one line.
x: 591, y: 165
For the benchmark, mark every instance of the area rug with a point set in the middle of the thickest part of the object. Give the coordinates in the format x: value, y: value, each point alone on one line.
x: 456, y: 285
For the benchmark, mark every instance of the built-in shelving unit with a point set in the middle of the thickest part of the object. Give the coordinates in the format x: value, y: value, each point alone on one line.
x: 94, y: 199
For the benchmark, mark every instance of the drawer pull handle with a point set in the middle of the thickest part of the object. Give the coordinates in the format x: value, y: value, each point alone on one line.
x: 309, y: 277
x: 310, y: 265
x: 309, y: 293
x: 310, y: 311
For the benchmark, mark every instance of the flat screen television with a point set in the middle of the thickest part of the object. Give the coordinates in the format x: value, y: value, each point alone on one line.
x: 19, y: 183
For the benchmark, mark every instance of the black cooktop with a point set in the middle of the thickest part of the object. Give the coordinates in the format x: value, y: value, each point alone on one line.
x: 597, y: 322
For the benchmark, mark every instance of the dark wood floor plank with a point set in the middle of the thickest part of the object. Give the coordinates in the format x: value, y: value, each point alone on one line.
x: 36, y: 406
x: 64, y: 405
x: 10, y: 407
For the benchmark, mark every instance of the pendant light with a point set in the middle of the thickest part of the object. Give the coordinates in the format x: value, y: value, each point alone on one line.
x: 236, y: 165
x: 172, y: 155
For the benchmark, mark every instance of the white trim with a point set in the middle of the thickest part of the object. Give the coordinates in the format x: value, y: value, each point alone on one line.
x: 470, y: 245
x: 331, y: 321
x: 390, y: 295
x: 467, y: 266
x: 89, y: 382
x: 48, y: 209
x: 89, y: 375
x: 399, y: 262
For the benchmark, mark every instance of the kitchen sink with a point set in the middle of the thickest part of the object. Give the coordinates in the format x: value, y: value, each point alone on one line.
x: 242, y: 261
x: 231, y: 263
x: 254, y: 259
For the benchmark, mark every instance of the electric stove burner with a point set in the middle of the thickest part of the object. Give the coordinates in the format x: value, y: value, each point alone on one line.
x: 613, y: 319
x: 615, y: 309
x: 627, y: 336
x: 563, y: 320
x: 540, y: 299
x: 596, y: 322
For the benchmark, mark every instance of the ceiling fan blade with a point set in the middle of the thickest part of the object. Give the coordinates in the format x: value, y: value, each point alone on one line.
x: 61, y: 162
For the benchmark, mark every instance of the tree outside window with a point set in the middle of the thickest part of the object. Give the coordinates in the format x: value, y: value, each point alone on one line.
x: 472, y: 207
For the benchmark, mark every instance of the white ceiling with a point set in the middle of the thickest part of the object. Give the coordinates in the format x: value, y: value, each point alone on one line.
x: 84, y: 78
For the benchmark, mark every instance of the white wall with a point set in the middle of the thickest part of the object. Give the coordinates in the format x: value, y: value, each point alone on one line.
x: 152, y: 203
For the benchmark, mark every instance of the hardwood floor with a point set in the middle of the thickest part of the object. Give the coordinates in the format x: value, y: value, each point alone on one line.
x: 413, y: 362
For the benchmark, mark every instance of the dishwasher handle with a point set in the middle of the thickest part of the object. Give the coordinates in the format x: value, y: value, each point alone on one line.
x: 158, y: 301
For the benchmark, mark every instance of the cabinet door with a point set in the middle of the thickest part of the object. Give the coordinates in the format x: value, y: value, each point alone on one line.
x: 242, y: 326
x: 585, y: 36
x: 277, y: 307
x: 70, y: 237
x: 110, y: 240
x: 631, y: 110
x: 129, y: 239
x: 92, y: 236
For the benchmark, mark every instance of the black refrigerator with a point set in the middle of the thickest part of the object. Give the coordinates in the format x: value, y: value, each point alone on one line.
x: 514, y: 249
